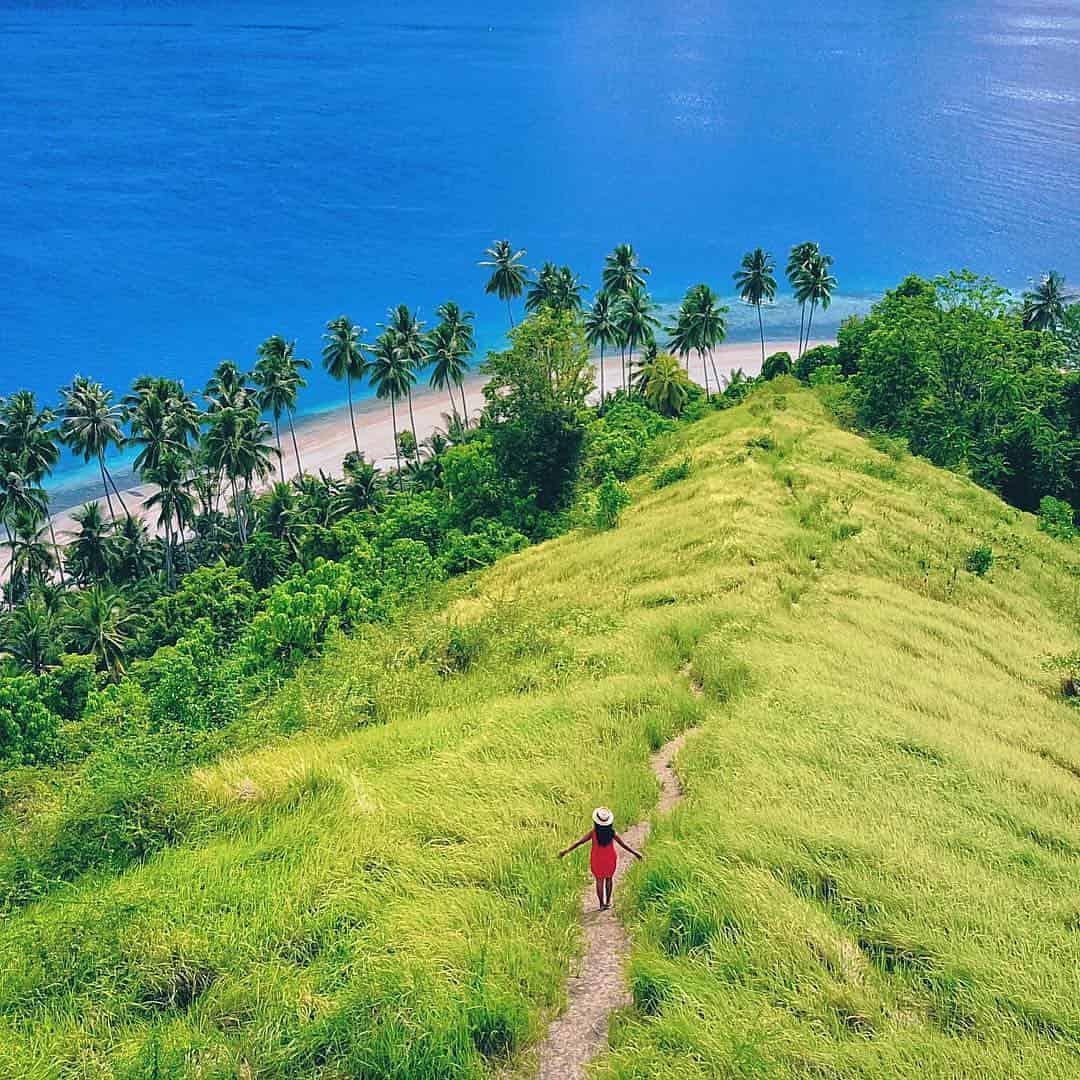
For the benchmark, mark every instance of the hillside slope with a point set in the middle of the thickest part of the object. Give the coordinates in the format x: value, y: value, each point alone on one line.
x: 875, y: 872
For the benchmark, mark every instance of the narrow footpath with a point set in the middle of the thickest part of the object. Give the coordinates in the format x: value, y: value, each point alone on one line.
x: 599, y: 988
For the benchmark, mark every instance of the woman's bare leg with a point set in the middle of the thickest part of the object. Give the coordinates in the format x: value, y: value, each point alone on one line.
x: 600, y: 890
x: 608, y: 886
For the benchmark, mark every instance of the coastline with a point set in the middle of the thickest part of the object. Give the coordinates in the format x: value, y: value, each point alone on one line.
x: 325, y: 438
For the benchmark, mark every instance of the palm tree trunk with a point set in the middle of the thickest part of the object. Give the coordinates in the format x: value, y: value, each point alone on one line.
x: 813, y: 304
x: 464, y: 405
x: 802, y: 319
x: 450, y: 395
x: 716, y: 374
x: 56, y: 548
x: 601, y: 378
x: 761, y: 328
x: 168, y: 554
x: 116, y: 489
x: 393, y: 424
x: 105, y: 485
x: 412, y: 424
x: 704, y: 370
x: 622, y: 364
x: 280, y: 457
x: 296, y: 448
x: 510, y: 312
x: 239, y: 511
x: 352, y: 415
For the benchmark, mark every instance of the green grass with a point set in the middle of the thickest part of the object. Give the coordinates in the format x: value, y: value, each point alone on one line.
x: 875, y: 871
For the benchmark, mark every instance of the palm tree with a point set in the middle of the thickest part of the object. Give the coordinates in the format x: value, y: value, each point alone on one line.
x: 408, y: 336
x: 817, y: 283
x: 602, y: 329
x: 460, y: 324
x: 392, y: 376
x: 102, y: 625
x: 32, y: 559
x: 507, y: 279
x: 800, y: 255
x: 681, y: 334
x: 756, y: 283
x: 30, y: 637
x: 665, y: 384
x: 131, y: 553
x: 91, y: 424
x: 569, y: 291
x: 709, y: 325
x: 1045, y: 303
x: 622, y: 272
x: 162, y: 417
x: 174, y: 504
x: 361, y: 488
x: 277, y: 373
x: 343, y: 357
x: 28, y: 444
x: 89, y: 552
x: 228, y: 388
x: 236, y: 446
x: 542, y: 291
x: 448, y: 364
x: 636, y: 320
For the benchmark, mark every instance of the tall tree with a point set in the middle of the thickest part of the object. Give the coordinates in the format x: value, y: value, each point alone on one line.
x: 392, y: 377
x: 1045, y: 303
x: 636, y: 321
x: 817, y: 283
x: 343, y: 357
x: 602, y: 330
x: 623, y: 271
x: 460, y: 324
x: 237, y: 447
x: 756, y: 281
x: 89, y: 552
x: 508, y: 272
x: 228, y: 388
x: 278, y: 375
x: 91, y: 425
x: 174, y: 503
x: 542, y: 290
x: 408, y: 337
x: 798, y: 258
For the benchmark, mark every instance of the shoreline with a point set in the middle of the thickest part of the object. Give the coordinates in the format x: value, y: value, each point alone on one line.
x: 325, y: 438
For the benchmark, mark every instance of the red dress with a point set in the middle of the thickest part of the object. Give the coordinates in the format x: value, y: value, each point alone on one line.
x: 603, y: 858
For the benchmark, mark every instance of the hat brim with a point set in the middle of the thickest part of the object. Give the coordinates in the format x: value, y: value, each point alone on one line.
x: 603, y: 816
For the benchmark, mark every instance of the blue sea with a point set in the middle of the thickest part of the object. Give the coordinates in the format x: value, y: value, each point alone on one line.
x: 180, y: 180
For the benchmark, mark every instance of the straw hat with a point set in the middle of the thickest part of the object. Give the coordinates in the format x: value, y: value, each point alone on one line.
x: 602, y: 816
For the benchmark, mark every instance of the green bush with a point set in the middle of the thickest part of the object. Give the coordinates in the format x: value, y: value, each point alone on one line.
x: 27, y: 726
x: 979, y: 561
x: 462, y: 552
x: 192, y: 689
x: 1056, y: 518
x: 777, y: 364
x: 672, y: 474
x: 218, y: 593
x: 812, y: 359
x: 1067, y: 666
x: 611, y: 500
x: 826, y: 375
x: 67, y: 686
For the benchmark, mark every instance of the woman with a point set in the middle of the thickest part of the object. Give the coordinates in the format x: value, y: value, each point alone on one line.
x: 603, y: 858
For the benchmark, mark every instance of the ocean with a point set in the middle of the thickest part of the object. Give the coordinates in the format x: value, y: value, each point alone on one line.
x: 180, y: 180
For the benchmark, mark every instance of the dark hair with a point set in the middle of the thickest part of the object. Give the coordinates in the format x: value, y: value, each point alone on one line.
x: 605, y: 834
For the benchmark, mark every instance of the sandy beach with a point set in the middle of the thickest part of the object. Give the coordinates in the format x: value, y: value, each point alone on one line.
x: 325, y: 438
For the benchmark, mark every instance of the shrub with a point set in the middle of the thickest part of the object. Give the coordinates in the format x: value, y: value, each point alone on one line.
x: 218, y: 593
x: 113, y: 712
x: 66, y: 687
x: 265, y: 559
x: 1068, y: 666
x: 1056, y: 518
x: 463, y: 552
x: 826, y: 375
x: 27, y: 726
x: 979, y: 561
x: 812, y: 359
x: 672, y: 474
x: 777, y: 364
x: 611, y: 500
x: 193, y: 690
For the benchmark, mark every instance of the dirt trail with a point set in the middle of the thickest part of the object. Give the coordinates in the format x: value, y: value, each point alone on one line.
x: 599, y: 988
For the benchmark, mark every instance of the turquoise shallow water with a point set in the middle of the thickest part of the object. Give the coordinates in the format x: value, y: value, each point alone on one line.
x: 182, y: 179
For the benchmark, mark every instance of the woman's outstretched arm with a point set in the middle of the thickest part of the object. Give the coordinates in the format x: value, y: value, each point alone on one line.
x: 623, y: 844
x: 575, y: 844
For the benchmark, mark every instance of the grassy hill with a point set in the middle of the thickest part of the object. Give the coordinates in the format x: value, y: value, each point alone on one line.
x: 876, y: 870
